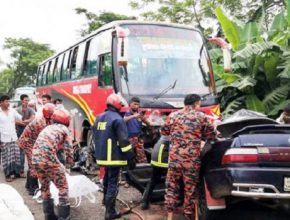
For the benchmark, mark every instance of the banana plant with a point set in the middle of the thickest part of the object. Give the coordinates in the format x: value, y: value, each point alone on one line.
x: 261, y: 64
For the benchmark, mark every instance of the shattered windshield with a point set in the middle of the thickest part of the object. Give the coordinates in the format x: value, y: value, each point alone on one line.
x: 161, y: 55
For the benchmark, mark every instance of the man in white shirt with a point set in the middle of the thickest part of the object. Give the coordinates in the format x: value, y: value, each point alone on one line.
x: 10, y: 152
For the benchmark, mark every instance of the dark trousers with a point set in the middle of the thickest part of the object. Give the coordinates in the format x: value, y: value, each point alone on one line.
x: 156, y: 176
x: 19, y: 131
x: 111, y: 182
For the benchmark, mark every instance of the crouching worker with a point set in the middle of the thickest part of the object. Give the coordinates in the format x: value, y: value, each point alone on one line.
x: 112, y: 150
x: 53, y: 138
x: 27, y: 140
x: 159, y: 162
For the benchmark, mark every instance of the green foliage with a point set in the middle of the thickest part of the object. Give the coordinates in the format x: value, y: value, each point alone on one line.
x: 26, y: 55
x: 95, y: 21
x: 261, y: 60
x: 232, y: 107
x: 230, y: 29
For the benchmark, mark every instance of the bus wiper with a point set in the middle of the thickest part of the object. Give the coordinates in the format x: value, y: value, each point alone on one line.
x: 164, y: 91
x: 124, y: 73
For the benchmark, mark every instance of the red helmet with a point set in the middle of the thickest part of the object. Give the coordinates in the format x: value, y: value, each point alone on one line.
x: 115, y: 101
x: 61, y: 116
x: 48, y: 110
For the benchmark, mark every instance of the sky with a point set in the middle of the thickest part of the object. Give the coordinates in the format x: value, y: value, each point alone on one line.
x: 52, y: 22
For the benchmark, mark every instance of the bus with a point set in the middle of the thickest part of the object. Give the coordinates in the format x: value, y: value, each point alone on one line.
x: 158, y: 62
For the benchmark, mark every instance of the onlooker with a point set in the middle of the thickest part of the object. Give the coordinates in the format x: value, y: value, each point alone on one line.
x: 285, y: 116
x: 186, y: 128
x: 134, y: 119
x: 28, y: 115
x: 9, y: 150
x: 46, y: 98
x: 58, y: 103
x: 32, y: 104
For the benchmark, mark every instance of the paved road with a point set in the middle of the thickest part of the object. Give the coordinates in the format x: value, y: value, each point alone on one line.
x: 89, y: 211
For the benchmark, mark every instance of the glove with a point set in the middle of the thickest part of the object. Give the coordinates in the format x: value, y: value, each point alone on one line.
x: 132, y: 163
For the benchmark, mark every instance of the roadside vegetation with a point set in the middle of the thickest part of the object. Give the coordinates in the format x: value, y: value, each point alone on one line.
x: 257, y: 30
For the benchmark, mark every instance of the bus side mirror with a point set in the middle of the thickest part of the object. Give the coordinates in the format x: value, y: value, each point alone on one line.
x: 122, y: 35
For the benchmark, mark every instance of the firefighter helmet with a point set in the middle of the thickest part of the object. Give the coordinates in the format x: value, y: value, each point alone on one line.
x: 48, y: 110
x: 115, y: 101
x: 61, y: 116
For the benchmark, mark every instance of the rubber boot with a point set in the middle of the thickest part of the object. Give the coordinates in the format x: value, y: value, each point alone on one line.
x: 111, y: 212
x: 27, y: 180
x: 147, y: 195
x: 33, y: 185
x: 64, y: 212
x: 48, y: 210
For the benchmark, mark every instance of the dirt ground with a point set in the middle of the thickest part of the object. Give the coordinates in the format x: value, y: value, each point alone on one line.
x: 93, y: 211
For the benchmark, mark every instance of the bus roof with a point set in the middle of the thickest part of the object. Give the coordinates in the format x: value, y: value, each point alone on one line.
x: 115, y: 24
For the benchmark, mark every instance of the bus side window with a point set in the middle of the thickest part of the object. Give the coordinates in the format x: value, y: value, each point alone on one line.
x: 66, y: 66
x: 92, y: 60
x: 105, y: 72
x: 55, y: 70
x: 50, y: 72
x: 73, y: 65
x: 44, y: 75
x: 39, y: 75
x: 85, y: 66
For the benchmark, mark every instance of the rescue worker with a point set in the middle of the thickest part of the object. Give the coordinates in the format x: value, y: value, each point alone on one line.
x: 27, y: 140
x: 159, y: 163
x: 112, y: 150
x: 51, y: 139
x: 186, y: 128
x: 134, y: 119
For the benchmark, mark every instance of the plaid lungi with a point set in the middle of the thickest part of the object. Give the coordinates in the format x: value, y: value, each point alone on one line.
x: 10, y: 158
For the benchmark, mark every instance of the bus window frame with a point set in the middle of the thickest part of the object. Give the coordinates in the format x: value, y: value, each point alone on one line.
x: 73, y: 62
x: 56, y: 61
x: 44, y: 74
x: 84, y: 68
x: 103, y: 85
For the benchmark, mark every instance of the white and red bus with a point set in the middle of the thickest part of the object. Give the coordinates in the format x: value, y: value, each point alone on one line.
x: 160, y: 63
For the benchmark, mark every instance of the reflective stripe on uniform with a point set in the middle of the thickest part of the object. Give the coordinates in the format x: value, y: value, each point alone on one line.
x: 159, y: 162
x: 127, y: 148
x: 165, y: 165
x: 109, y: 160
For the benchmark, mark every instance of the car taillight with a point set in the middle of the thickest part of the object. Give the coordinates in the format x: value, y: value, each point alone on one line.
x: 240, y: 155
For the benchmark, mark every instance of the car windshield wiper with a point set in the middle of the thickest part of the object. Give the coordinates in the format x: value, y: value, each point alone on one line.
x: 164, y: 91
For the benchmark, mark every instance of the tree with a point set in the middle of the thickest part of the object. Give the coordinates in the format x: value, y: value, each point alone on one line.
x: 95, y: 21
x: 202, y: 12
x: 26, y: 55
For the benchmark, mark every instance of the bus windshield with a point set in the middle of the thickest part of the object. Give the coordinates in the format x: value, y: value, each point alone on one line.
x: 161, y: 57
